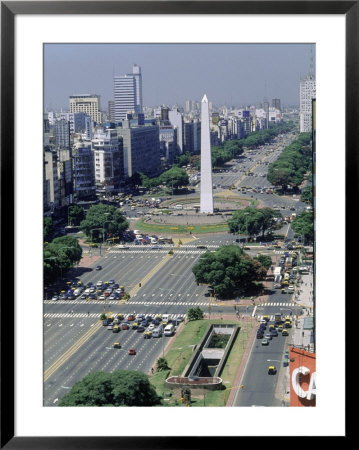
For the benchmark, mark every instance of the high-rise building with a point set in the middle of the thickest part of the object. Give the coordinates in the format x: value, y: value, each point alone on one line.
x: 62, y: 133
x: 111, y: 111
x: 176, y: 119
x: 136, y: 71
x: 127, y: 94
x: 87, y: 103
x: 307, y: 94
x: 108, y: 158
x: 276, y: 103
x: 206, y: 196
x: 84, y: 175
x: 141, y: 148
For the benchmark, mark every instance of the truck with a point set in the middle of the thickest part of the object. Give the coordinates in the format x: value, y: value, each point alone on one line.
x: 277, y: 277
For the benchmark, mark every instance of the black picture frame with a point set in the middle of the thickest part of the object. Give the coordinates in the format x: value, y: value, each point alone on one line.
x: 9, y: 9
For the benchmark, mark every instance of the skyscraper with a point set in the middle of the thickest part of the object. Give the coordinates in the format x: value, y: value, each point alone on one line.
x: 136, y: 70
x: 128, y: 94
x: 307, y: 93
x: 87, y: 103
x: 206, y: 197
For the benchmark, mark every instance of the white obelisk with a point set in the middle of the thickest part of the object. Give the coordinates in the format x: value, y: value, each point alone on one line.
x: 206, y: 160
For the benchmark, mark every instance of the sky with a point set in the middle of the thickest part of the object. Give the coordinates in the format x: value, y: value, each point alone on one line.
x: 229, y: 74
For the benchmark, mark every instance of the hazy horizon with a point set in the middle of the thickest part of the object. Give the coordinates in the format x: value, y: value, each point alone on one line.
x: 229, y: 74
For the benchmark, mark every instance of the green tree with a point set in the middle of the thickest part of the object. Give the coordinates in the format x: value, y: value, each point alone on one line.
x: 119, y: 388
x: 162, y: 365
x: 174, y: 178
x: 102, y: 220
x: 194, y: 314
x: 76, y: 214
x: 48, y: 228
x: 307, y: 195
x: 252, y: 221
x: 229, y: 270
x: 303, y: 225
x: 60, y: 255
x: 265, y: 260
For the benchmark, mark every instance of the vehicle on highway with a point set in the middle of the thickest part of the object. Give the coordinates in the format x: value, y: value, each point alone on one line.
x: 131, y: 317
x: 272, y: 370
x: 151, y: 327
x: 116, y: 345
x: 92, y: 296
x: 147, y: 334
x: 140, y: 329
x: 131, y: 351
x: 157, y: 332
x: 120, y: 316
x: 169, y: 330
x: 265, y: 342
x: 115, y: 329
x: 112, y: 297
x: 144, y: 323
x: 260, y: 335
x: 268, y: 336
x: 201, y: 246
x: 123, y: 247
x: 125, y: 326
x: 98, y: 267
x: 134, y: 326
x: 106, y: 322
x: 274, y: 332
x: 285, y: 333
x: 99, y: 283
x: 55, y: 298
x: 155, y: 247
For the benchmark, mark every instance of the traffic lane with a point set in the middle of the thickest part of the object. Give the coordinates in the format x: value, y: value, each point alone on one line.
x: 98, y: 354
x: 175, y: 278
x: 259, y: 387
x: 60, y: 335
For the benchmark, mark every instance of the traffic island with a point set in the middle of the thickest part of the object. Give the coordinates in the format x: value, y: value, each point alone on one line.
x: 182, y: 354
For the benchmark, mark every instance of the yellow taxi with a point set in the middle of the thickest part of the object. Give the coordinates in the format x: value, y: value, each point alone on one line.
x: 116, y: 345
x: 272, y: 370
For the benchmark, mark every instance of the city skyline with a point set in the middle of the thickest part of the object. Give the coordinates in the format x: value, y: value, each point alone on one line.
x: 174, y: 73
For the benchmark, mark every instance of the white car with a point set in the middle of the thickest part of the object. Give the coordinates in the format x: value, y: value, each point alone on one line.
x: 151, y: 327
x: 291, y: 288
x: 102, y: 297
x: 99, y: 283
x: 123, y: 247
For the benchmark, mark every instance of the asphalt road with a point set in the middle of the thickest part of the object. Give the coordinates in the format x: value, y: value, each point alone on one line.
x: 171, y: 290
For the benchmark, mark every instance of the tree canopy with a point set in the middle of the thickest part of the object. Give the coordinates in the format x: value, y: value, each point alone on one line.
x: 76, y: 214
x: 252, y: 221
x: 229, y: 270
x: 303, y: 225
x: 48, y: 228
x: 119, y: 388
x: 60, y: 255
x: 307, y: 195
x: 292, y: 164
x: 101, y: 220
x: 194, y: 314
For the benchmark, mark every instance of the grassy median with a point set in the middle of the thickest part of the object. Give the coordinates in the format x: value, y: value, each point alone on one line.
x: 181, y: 352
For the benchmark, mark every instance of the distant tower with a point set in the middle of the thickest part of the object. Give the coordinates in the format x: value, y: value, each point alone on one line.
x: 206, y: 160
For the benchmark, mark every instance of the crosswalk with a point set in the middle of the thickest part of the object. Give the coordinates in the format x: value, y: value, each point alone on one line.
x: 154, y: 252
x: 292, y: 304
x: 97, y: 315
